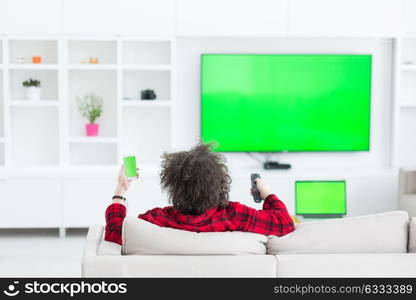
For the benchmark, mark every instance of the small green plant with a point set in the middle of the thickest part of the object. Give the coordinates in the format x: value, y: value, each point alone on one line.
x: 90, y: 106
x: 31, y: 82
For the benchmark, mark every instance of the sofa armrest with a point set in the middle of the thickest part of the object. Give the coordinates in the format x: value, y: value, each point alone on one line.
x: 412, y: 236
x: 93, y: 241
x: 101, y: 258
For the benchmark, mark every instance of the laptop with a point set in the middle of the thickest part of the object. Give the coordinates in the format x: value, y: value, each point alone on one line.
x: 321, y: 199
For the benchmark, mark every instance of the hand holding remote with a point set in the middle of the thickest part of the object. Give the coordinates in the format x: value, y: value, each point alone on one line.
x: 259, y: 190
x: 263, y: 188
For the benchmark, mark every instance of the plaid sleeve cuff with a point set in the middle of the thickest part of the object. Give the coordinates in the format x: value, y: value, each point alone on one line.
x: 271, y: 202
x: 115, y: 210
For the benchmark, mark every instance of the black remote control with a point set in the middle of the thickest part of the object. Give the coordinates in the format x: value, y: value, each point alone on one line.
x: 254, y: 190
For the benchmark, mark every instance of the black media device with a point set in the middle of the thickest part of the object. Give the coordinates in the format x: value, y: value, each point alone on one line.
x: 148, y: 95
x: 255, y: 192
x: 274, y: 165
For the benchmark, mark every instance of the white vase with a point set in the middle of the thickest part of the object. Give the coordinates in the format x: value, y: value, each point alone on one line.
x: 33, y: 93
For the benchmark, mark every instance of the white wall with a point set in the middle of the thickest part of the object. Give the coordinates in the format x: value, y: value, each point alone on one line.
x: 231, y: 17
x: 31, y: 17
x: 344, y: 17
x: 106, y: 17
x: 188, y: 94
x: 206, y: 17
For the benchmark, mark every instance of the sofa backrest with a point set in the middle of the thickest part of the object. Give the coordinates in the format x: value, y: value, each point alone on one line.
x: 142, y: 237
x: 378, y: 233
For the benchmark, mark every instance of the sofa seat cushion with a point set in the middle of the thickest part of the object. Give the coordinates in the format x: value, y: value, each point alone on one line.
x: 378, y: 233
x: 347, y: 265
x: 184, y: 266
x: 142, y: 237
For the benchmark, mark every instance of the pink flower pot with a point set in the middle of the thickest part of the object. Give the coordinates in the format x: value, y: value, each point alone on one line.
x: 91, y: 129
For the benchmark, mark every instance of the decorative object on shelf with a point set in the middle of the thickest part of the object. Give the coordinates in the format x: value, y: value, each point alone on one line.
x: 33, y: 89
x: 148, y: 95
x: 93, y: 60
x: 91, y: 107
x: 20, y: 60
x: 36, y: 59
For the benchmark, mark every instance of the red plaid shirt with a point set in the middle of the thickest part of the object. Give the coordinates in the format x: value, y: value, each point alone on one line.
x: 273, y: 219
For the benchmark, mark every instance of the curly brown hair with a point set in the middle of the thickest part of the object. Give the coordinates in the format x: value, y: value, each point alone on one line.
x: 195, y: 180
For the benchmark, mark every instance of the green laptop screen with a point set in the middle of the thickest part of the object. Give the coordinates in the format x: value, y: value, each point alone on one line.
x: 320, y: 197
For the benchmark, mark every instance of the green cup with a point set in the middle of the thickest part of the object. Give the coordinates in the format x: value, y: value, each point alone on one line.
x: 130, y: 166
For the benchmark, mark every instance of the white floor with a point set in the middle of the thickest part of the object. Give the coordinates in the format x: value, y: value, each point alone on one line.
x: 41, y: 253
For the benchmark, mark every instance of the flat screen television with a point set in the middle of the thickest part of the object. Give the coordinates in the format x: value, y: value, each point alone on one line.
x: 320, y: 198
x: 275, y: 102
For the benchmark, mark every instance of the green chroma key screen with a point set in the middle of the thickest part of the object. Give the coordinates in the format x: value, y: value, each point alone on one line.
x: 320, y: 197
x: 264, y: 103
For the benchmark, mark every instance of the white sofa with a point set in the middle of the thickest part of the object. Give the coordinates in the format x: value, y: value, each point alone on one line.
x: 379, y: 245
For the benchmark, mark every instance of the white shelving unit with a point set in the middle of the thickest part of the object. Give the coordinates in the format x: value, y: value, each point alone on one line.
x: 405, y: 102
x: 53, y: 129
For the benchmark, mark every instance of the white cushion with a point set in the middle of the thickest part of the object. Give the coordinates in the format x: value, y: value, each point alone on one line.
x: 379, y: 233
x: 142, y: 237
x: 412, y: 235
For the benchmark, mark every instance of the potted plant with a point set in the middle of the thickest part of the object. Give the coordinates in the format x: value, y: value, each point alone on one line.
x: 33, y: 89
x: 91, y: 107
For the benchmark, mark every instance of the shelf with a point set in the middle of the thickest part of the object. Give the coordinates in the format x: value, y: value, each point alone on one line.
x: 72, y: 172
x: 147, y: 67
x: 92, y: 67
x: 33, y: 67
x: 104, y: 84
x: 146, y: 103
x: 409, y: 68
x: 41, y: 103
x: 146, y: 52
x: 25, y: 49
x: 114, y: 67
x: 35, y: 136
x: 48, y: 79
x: 82, y: 50
x: 135, y: 81
x: 92, y: 139
x: 408, y: 105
